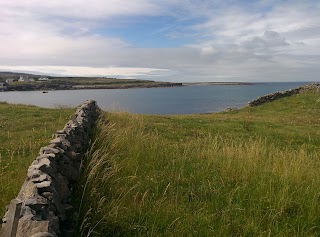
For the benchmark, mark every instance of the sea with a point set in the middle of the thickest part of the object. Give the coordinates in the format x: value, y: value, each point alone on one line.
x: 191, y: 99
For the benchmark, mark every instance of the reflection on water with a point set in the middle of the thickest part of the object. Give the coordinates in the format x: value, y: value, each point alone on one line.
x: 175, y: 100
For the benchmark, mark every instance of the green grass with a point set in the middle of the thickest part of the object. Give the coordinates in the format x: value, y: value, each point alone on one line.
x: 253, y: 172
x: 23, y: 131
x: 87, y: 81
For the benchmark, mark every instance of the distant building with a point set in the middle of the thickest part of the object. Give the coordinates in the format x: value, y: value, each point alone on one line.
x: 43, y: 79
x: 25, y: 79
x: 10, y: 80
x: 22, y: 79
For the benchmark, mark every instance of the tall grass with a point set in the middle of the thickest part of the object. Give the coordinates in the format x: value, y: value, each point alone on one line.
x: 168, y: 176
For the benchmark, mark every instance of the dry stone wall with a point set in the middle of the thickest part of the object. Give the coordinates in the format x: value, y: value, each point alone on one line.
x: 280, y: 94
x: 43, y: 206
x: 311, y: 87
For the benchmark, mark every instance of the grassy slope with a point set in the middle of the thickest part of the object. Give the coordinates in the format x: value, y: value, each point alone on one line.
x: 254, y: 172
x: 23, y: 130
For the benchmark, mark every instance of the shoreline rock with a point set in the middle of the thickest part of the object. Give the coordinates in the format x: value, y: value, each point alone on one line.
x: 280, y: 94
x: 49, y: 87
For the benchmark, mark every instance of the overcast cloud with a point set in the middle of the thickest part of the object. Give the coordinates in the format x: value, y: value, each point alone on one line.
x: 190, y: 40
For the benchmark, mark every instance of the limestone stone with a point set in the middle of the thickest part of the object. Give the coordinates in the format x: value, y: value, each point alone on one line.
x: 65, y: 159
x: 62, y: 187
x: 36, y: 201
x: 44, y: 161
x: 50, y: 156
x: 28, y: 190
x: 34, y: 173
x: 58, y: 142
x: 12, y: 218
x: 44, y: 165
x: 71, y: 173
x: 45, y: 186
x: 55, y: 146
x: 57, y: 204
x: 33, y: 227
x: 47, y: 195
x: 27, y: 213
x: 61, y: 132
x: 73, y: 155
x: 48, y: 150
x: 43, y: 234
x: 40, y: 178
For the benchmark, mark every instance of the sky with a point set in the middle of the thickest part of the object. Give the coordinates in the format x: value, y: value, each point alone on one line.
x: 163, y: 40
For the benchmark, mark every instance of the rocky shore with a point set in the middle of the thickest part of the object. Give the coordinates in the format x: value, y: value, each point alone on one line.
x: 51, y: 86
x: 280, y: 94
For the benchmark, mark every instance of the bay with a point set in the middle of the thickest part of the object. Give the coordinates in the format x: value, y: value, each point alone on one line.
x: 175, y: 100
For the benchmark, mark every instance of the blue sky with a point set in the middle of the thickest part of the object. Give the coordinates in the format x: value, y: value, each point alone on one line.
x: 168, y: 40
x: 151, y: 32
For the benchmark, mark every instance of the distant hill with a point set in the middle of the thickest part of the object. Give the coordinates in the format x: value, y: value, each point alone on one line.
x: 75, y: 83
x: 16, y: 75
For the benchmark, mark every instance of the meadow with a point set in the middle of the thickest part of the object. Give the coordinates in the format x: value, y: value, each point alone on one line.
x: 249, y: 172
x: 23, y: 131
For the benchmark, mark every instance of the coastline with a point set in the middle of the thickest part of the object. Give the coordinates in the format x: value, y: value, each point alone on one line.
x: 54, y: 87
x: 129, y: 86
x: 66, y: 86
x: 219, y: 83
x: 173, y: 100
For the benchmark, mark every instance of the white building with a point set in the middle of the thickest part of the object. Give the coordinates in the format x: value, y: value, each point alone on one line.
x: 10, y: 80
x: 25, y: 79
x: 43, y: 79
x: 22, y: 78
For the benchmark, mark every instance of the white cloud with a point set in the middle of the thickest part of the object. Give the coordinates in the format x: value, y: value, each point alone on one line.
x: 270, y: 39
x: 208, y: 50
x: 87, y: 71
x: 259, y: 40
x: 80, y: 9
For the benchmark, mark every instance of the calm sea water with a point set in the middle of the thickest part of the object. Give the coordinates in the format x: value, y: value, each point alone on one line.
x: 176, y: 100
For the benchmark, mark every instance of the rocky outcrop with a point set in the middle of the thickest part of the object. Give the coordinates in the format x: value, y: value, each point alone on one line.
x: 311, y: 87
x: 43, y: 206
x: 280, y: 94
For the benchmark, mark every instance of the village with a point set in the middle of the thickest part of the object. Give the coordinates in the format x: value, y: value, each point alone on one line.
x: 22, y: 80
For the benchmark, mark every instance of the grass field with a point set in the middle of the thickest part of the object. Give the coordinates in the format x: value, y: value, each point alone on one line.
x: 23, y: 131
x: 252, y: 172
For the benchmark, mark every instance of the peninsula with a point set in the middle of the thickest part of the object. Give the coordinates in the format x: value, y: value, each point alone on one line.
x: 11, y: 81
